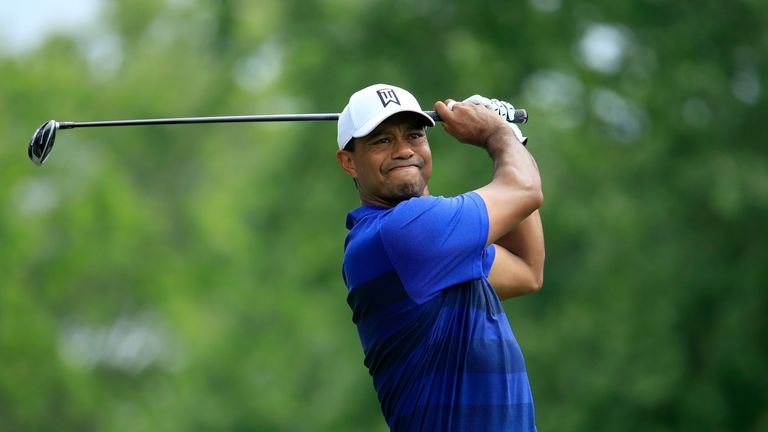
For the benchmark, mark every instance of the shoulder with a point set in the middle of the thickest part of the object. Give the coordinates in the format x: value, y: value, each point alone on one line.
x: 428, y: 210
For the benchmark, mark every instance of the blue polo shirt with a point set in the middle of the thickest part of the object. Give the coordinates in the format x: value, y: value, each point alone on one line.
x: 435, y: 336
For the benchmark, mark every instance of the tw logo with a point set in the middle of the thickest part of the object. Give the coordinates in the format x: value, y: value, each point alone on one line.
x: 387, y: 96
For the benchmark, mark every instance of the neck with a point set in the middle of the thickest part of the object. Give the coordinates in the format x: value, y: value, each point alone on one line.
x: 376, y: 201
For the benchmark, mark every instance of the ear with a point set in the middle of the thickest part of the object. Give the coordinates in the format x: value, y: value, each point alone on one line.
x: 346, y: 162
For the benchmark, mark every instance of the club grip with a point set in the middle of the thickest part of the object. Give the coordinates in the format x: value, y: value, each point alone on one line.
x: 519, y: 116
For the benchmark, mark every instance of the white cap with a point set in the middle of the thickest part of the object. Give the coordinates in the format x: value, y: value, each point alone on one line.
x: 372, y: 105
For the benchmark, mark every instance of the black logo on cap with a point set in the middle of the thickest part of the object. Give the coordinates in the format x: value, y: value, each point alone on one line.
x: 387, y: 96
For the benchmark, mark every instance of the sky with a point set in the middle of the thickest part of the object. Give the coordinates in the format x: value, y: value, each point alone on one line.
x: 25, y: 24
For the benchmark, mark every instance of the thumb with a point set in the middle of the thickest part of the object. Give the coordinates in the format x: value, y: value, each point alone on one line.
x: 446, y: 115
x: 441, y: 108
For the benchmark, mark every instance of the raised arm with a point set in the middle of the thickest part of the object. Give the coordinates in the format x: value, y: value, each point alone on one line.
x: 515, y: 190
x: 512, y: 197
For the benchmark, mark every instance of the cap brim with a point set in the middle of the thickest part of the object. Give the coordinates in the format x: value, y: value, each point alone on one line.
x: 371, y: 124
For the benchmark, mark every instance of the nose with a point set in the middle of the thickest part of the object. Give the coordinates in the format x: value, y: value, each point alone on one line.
x: 402, y: 149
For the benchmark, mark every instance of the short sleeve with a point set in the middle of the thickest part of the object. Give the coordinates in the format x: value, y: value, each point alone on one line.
x: 436, y: 242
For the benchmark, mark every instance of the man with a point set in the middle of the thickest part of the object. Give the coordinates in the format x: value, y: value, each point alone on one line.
x: 426, y: 274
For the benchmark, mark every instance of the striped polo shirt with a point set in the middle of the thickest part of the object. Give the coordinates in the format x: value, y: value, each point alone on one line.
x: 435, y: 336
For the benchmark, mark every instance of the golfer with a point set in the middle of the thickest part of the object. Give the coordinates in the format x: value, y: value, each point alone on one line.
x: 426, y: 274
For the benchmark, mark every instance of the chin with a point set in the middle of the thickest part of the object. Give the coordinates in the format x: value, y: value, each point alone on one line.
x: 405, y: 192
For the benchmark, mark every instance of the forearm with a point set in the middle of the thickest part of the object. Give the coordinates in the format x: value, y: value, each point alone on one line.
x: 526, y: 241
x: 513, y: 165
x: 515, y: 192
x: 514, y: 169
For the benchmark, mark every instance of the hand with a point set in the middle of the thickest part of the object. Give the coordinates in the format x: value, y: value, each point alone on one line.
x: 503, y: 109
x: 470, y: 123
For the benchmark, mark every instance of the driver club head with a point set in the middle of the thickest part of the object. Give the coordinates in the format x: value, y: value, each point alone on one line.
x: 42, y: 142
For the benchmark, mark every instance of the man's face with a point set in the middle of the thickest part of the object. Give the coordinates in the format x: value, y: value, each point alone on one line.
x: 391, y: 164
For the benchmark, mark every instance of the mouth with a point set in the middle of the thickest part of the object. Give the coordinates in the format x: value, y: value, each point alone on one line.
x: 403, y: 167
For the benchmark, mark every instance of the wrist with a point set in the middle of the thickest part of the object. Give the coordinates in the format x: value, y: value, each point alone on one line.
x: 500, y: 138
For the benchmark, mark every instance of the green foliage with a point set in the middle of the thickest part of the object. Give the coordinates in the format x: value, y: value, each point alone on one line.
x: 185, y: 278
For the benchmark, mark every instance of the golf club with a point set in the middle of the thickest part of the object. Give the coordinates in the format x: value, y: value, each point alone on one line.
x: 41, y: 144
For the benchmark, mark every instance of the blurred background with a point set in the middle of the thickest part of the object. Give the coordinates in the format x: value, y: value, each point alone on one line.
x: 182, y: 278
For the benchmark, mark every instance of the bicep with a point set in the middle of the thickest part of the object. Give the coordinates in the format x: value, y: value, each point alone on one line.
x: 510, y: 276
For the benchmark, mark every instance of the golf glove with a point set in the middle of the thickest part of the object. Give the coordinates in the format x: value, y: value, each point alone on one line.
x: 504, y: 109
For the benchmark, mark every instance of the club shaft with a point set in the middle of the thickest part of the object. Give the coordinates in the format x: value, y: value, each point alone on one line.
x: 192, y: 120
x: 521, y: 116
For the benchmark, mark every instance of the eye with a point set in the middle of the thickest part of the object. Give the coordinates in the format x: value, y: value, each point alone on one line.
x: 415, y: 135
x: 382, y: 140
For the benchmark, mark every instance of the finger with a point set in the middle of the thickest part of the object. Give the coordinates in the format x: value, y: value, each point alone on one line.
x: 442, y: 109
x: 445, y: 114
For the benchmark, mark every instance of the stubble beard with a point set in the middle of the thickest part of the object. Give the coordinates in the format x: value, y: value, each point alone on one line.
x: 405, y: 191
